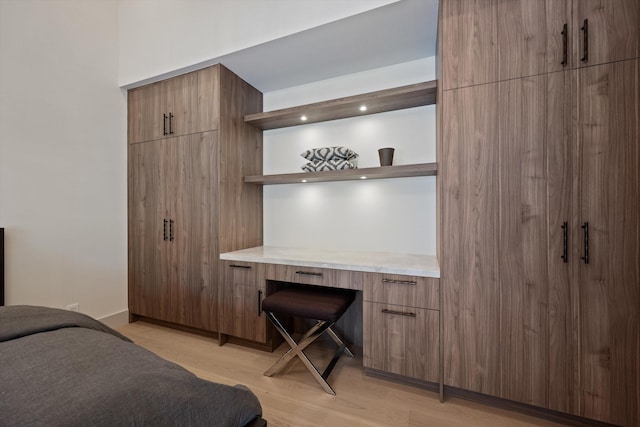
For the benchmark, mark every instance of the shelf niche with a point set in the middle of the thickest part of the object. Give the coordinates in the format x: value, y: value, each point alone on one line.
x: 401, y: 171
x: 415, y: 95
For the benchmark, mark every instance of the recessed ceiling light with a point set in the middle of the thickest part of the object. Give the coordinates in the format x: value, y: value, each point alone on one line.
x: 303, y: 118
x: 363, y: 177
x: 363, y: 108
x: 304, y: 180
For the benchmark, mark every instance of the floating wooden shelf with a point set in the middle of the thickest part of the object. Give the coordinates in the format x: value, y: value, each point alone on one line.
x: 402, y: 171
x: 399, y: 98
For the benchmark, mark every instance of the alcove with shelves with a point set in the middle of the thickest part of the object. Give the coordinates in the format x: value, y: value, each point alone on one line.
x: 403, y: 97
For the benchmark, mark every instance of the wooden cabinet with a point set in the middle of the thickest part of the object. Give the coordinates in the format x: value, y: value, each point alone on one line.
x: 188, y: 202
x: 242, y: 289
x: 485, y: 41
x: 525, y: 163
x: 401, y: 321
x: 178, y: 106
x: 328, y: 277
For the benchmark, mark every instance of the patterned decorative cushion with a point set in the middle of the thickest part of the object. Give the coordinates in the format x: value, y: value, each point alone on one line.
x: 329, y: 153
x: 330, y: 165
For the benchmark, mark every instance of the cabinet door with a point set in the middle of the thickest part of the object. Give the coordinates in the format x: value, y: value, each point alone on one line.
x: 176, y: 96
x: 194, y: 166
x: 144, y: 118
x: 610, y: 282
x: 523, y: 232
x: 613, y: 30
x: 469, y: 42
x: 242, y: 289
x: 469, y: 250
x: 149, y: 251
x: 529, y: 37
x: 205, y: 100
x: 401, y: 340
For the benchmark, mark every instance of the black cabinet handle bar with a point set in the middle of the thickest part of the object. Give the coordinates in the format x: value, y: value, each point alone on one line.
x: 401, y: 313
x: 248, y: 267
x: 585, y: 43
x: 565, y: 242
x: 585, y: 257
x: 401, y: 282
x: 259, y: 302
x: 164, y: 124
x: 565, y: 35
x: 171, y: 230
x: 164, y: 229
x: 309, y: 273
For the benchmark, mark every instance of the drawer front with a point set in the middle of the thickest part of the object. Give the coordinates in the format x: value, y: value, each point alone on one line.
x: 422, y: 292
x: 315, y: 276
x: 242, y: 273
x: 401, y: 340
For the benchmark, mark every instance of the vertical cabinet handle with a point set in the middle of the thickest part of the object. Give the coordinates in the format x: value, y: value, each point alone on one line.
x: 170, y: 123
x: 565, y: 240
x: 164, y: 124
x: 171, y: 230
x: 585, y: 257
x: 259, y: 302
x: 565, y: 35
x: 585, y: 43
x: 164, y: 229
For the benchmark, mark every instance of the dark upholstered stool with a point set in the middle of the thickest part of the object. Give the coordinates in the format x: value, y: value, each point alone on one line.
x: 325, y: 305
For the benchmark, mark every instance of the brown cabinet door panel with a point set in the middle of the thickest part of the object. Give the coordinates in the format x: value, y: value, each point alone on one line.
x: 240, y: 312
x: 609, y: 284
x: 422, y: 292
x: 145, y: 110
x: 401, y: 340
x: 469, y: 261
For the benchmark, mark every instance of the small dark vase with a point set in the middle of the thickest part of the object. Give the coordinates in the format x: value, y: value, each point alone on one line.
x: 386, y: 156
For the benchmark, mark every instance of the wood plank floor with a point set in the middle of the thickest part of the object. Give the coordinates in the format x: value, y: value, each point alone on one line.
x: 295, y: 399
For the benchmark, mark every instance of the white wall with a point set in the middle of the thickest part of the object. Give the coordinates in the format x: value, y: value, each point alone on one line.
x: 397, y: 215
x: 163, y: 36
x: 63, y: 155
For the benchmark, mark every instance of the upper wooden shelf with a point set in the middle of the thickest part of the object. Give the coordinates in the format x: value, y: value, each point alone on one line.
x: 415, y: 95
x: 402, y: 171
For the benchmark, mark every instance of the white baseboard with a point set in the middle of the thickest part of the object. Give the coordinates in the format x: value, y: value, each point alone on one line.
x: 116, y: 320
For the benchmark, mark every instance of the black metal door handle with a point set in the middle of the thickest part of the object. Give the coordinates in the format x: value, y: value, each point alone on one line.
x: 259, y: 302
x: 164, y: 229
x: 585, y: 257
x: 170, y: 123
x: 585, y: 42
x: 565, y: 35
x: 247, y: 267
x: 171, y: 230
x: 565, y: 241
x: 309, y: 273
x: 401, y: 313
x: 164, y: 124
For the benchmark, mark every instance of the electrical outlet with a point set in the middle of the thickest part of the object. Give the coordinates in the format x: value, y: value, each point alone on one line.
x: 73, y: 307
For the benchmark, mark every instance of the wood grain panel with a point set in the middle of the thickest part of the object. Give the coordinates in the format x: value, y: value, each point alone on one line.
x: 410, y: 291
x: 562, y: 195
x: 610, y: 282
x: 148, y: 251
x: 469, y: 42
x: 205, y: 100
x: 401, y: 340
x: 529, y: 36
x: 523, y: 240
x: 240, y: 314
x: 315, y: 276
x: 144, y: 117
x: 195, y: 229
x: 240, y: 204
x: 176, y: 95
x: 470, y: 274
x: 614, y: 33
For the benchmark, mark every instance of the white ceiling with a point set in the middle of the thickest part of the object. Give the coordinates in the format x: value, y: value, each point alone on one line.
x: 391, y: 34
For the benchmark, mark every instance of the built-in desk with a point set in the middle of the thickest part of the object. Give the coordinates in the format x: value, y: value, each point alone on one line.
x: 395, y: 319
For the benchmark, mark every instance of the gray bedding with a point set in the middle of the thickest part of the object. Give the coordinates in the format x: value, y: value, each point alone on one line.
x: 60, y: 368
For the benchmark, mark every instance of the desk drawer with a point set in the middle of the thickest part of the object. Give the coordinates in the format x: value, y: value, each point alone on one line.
x: 315, y: 276
x: 410, y: 291
x: 242, y: 273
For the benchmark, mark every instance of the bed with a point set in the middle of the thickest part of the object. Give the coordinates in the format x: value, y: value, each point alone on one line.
x: 61, y: 368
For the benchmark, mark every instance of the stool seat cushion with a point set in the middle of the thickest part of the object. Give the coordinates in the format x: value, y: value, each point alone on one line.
x: 320, y: 304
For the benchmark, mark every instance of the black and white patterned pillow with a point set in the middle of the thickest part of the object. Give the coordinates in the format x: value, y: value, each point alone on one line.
x: 328, y: 165
x: 329, y: 153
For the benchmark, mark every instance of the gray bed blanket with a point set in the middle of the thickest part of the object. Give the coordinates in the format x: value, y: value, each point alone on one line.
x: 60, y: 368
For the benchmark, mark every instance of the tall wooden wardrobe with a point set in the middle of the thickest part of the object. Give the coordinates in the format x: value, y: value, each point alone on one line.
x: 189, y: 150
x: 539, y: 202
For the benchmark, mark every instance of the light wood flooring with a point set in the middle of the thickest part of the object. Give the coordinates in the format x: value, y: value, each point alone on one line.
x: 295, y: 399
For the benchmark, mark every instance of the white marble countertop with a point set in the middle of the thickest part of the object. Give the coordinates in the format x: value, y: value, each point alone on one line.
x: 375, y: 262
